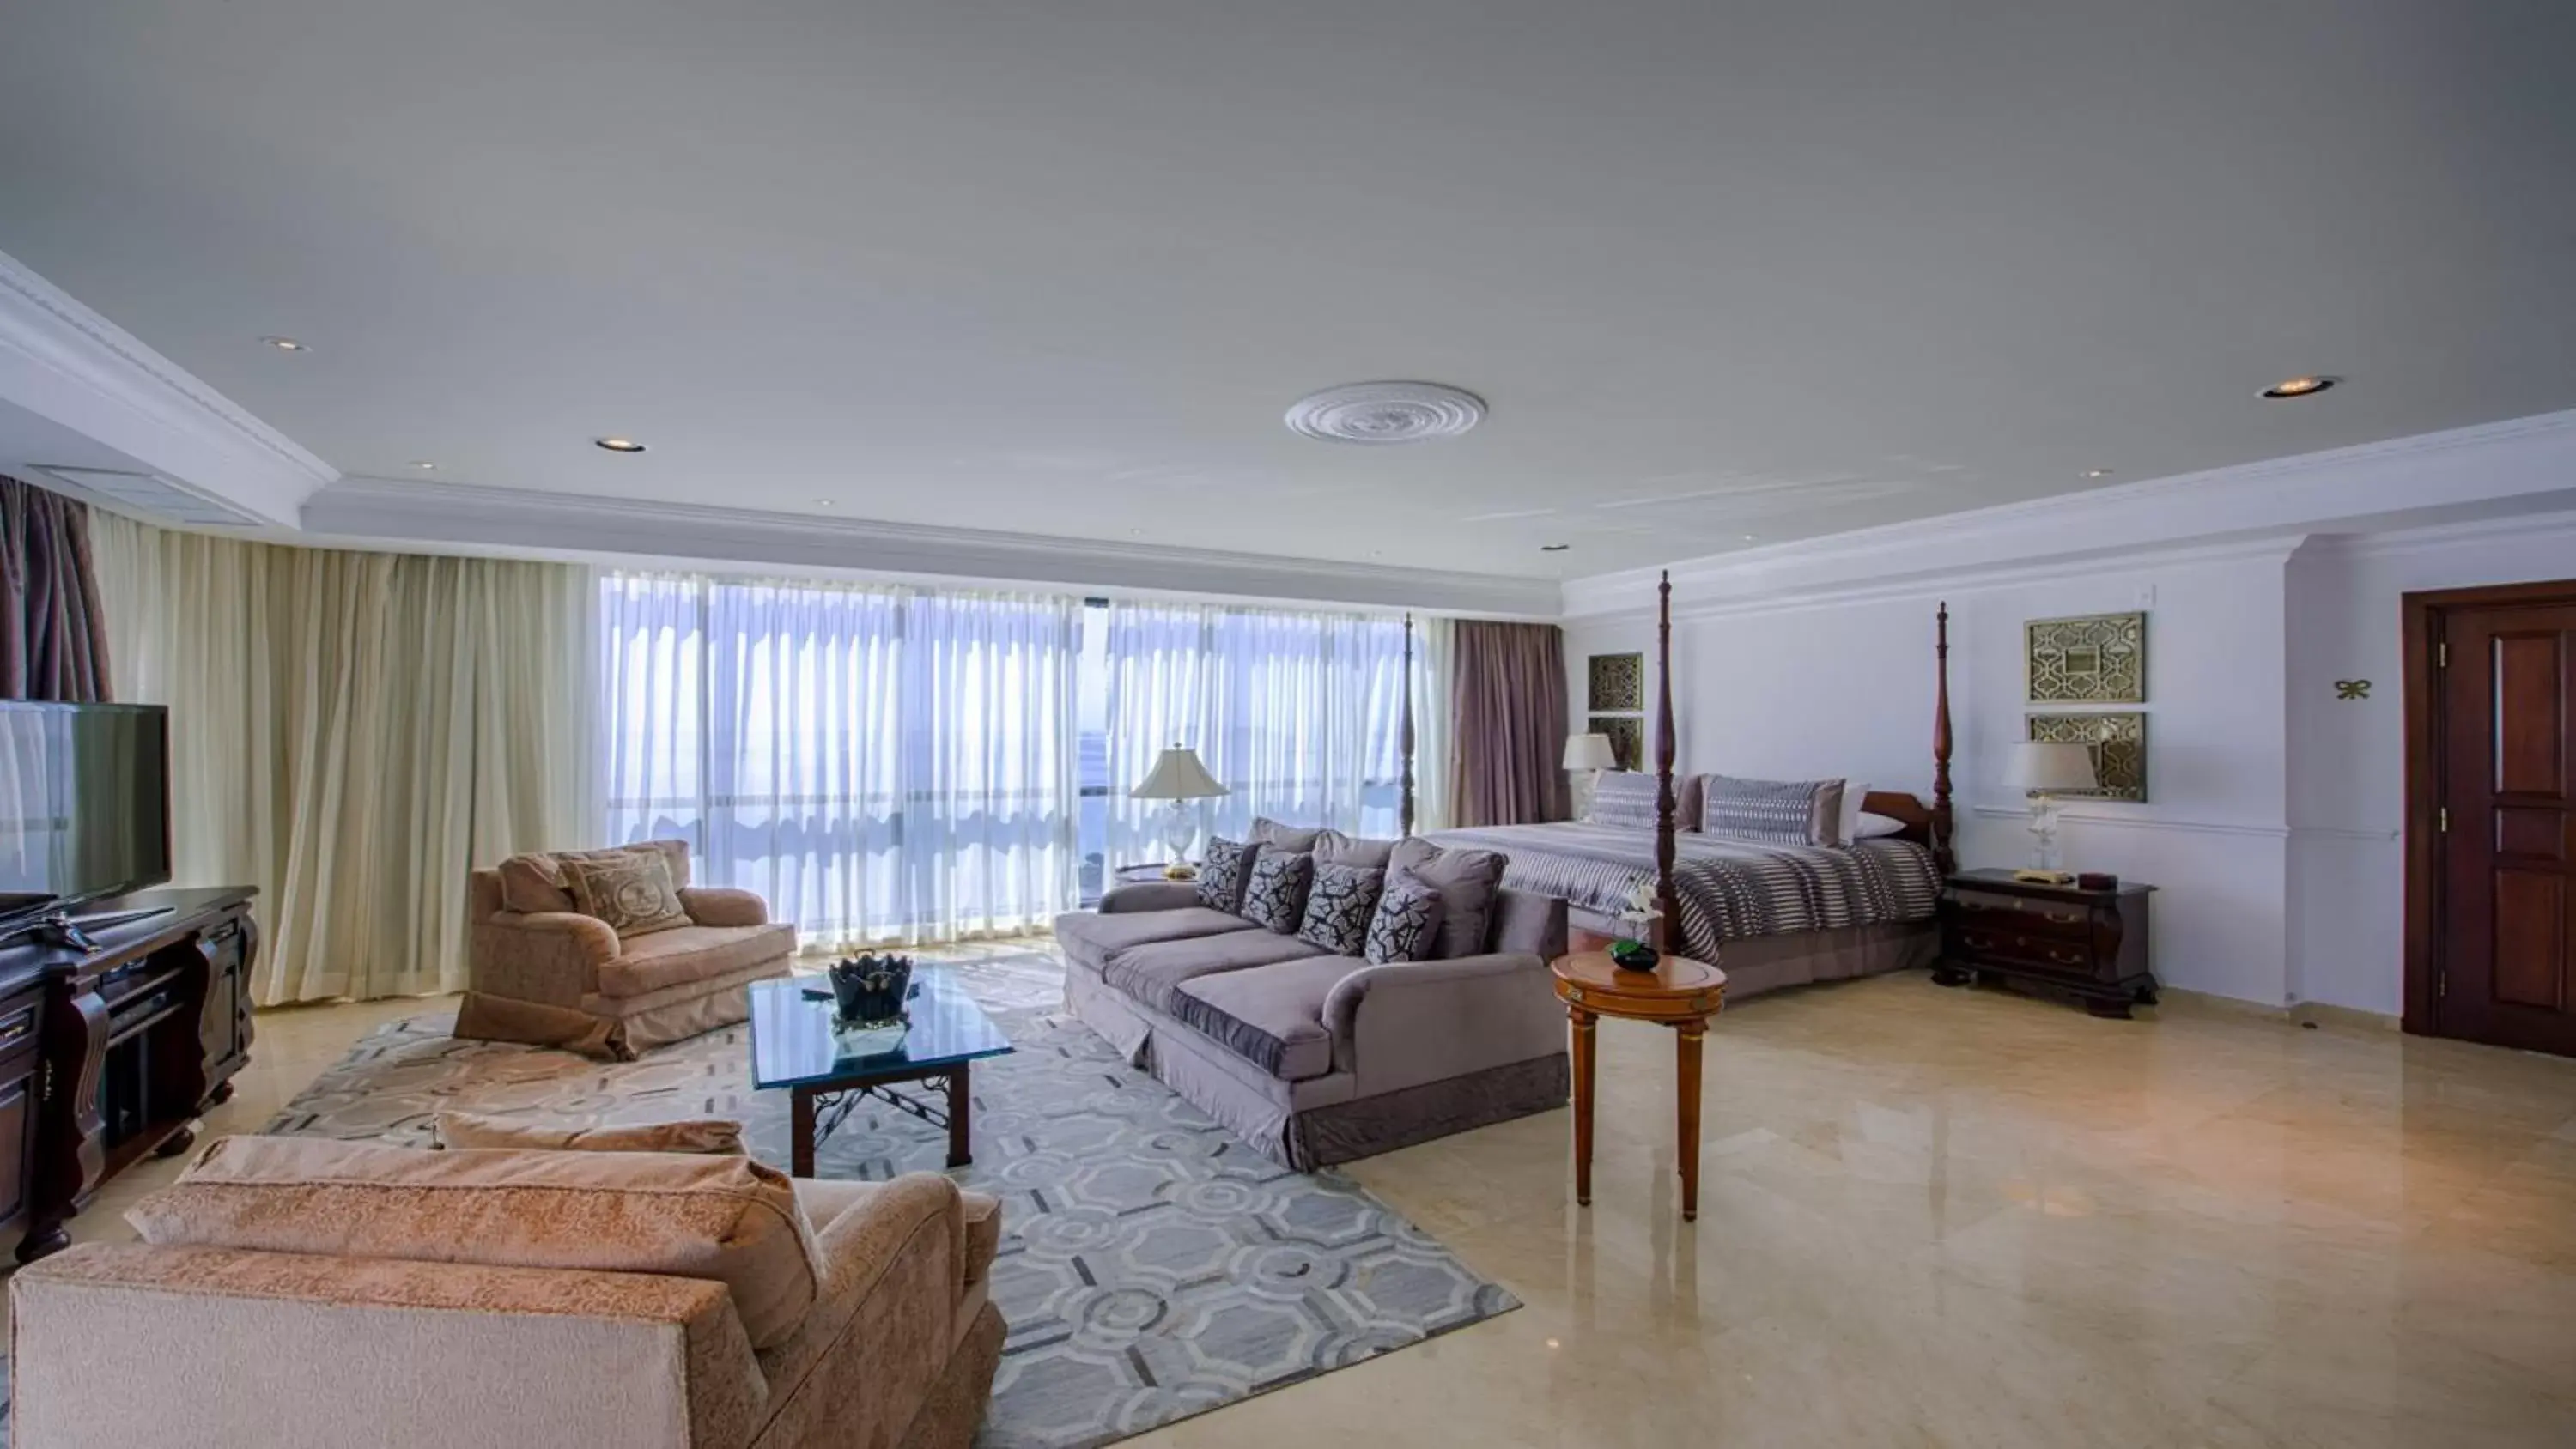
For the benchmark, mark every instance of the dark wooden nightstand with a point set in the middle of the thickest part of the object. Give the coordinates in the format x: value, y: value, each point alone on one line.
x: 2087, y: 944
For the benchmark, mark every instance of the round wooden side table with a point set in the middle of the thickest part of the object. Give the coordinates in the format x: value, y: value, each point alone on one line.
x: 1682, y: 994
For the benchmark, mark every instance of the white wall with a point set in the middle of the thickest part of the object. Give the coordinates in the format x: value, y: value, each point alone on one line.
x: 1826, y: 688
x: 2348, y: 757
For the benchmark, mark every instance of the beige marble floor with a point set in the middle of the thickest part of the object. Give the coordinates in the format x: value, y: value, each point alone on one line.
x: 1955, y: 1218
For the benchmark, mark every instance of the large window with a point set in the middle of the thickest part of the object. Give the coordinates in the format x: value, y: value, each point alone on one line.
x: 879, y: 764
x: 1296, y: 714
x: 890, y: 765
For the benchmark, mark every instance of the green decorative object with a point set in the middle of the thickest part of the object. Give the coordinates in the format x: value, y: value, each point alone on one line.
x: 2096, y: 659
x: 2117, y: 742
x: 1618, y: 683
x: 1630, y: 955
x: 1627, y: 740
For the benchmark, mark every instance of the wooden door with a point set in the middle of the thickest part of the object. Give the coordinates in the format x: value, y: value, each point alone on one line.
x: 2505, y: 820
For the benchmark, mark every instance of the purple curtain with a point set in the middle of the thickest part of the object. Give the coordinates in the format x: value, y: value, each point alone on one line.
x: 53, y: 634
x: 1508, y: 717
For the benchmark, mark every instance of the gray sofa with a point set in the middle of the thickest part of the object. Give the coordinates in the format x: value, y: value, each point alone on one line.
x: 1314, y: 1058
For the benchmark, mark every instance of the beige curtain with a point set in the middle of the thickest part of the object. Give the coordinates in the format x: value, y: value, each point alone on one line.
x: 351, y: 732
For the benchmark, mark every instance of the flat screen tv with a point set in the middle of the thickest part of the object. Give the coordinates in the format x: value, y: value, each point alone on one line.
x: 84, y: 804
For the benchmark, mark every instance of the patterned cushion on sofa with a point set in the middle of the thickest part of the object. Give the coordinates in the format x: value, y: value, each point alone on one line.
x: 1340, y: 906
x: 634, y: 894
x: 1222, y: 871
x: 1779, y: 812
x: 1274, y: 895
x: 1625, y: 798
x: 1406, y: 924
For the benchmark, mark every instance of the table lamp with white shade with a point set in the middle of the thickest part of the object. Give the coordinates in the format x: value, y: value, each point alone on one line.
x: 1178, y: 777
x: 1587, y: 756
x: 2044, y: 769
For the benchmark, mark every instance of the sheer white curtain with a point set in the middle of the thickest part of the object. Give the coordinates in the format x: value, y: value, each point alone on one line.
x: 880, y: 764
x: 1296, y: 713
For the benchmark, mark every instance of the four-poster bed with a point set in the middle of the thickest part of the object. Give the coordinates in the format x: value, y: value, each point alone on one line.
x: 1772, y: 914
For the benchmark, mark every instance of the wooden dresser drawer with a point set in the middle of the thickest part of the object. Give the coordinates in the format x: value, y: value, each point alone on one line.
x: 2015, y: 916
x: 2037, y: 952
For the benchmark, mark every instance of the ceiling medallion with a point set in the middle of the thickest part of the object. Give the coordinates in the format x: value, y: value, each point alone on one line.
x: 1386, y: 412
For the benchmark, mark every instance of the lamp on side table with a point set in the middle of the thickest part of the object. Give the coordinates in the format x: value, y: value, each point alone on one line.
x: 1586, y: 756
x: 1179, y: 778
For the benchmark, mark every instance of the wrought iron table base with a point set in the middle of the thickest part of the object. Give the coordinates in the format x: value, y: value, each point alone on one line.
x: 817, y: 1108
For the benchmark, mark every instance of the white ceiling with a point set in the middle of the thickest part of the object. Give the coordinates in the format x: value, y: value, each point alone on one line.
x: 1719, y: 269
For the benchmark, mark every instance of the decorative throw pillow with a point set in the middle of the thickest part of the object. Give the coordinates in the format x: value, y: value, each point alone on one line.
x: 1290, y: 838
x: 1466, y: 881
x: 1406, y: 924
x: 1777, y: 812
x: 632, y: 893
x: 1340, y: 906
x: 1332, y: 847
x: 534, y: 882
x: 1222, y: 869
x: 1624, y: 798
x: 1274, y: 894
x: 711, y: 1136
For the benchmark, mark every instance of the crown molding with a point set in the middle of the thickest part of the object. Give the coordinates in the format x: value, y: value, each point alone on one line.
x: 2432, y: 539
x: 415, y: 513
x: 73, y: 367
x: 2271, y: 549
x: 2307, y: 493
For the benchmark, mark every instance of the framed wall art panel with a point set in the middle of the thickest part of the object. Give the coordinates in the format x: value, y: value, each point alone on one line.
x: 2095, y: 659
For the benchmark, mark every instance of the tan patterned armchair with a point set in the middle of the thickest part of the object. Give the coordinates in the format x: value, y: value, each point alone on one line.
x: 304, y: 1293
x: 539, y: 971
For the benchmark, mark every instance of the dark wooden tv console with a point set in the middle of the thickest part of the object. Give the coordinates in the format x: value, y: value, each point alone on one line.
x: 109, y: 1051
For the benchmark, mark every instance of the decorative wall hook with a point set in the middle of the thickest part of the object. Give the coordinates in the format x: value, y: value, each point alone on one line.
x: 2352, y: 689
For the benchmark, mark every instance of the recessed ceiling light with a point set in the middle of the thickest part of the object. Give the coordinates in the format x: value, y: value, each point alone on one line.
x: 618, y: 445
x: 2300, y: 386
x: 2097, y: 472
x: 1554, y: 547
x: 424, y: 465
x: 822, y: 502
x: 1748, y: 538
x: 286, y: 344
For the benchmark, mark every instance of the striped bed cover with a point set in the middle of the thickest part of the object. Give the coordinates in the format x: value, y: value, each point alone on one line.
x: 1730, y: 889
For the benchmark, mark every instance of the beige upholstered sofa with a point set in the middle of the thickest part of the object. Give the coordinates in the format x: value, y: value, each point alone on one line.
x: 539, y: 972
x: 302, y: 1293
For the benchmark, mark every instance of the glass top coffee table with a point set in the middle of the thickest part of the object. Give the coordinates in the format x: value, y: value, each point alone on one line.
x: 794, y: 1046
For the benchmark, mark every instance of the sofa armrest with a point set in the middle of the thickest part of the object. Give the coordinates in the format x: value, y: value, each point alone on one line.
x: 878, y: 1339
x: 1527, y: 923
x: 1402, y: 1025
x: 456, y: 1353
x: 546, y: 956
x: 723, y: 906
x: 1150, y: 895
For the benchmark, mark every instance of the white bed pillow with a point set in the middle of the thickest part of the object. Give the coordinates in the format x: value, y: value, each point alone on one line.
x: 1855, y: 790
x: 1873, y: 826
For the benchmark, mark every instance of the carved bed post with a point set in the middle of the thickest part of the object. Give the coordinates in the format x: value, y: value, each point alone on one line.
x: 1944, y: 858
x: 1404, y: 733
x: 1667, y: 927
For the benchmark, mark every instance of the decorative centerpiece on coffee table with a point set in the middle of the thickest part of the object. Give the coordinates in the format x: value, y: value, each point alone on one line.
x: 868, y: 996
x: 1630, y: 952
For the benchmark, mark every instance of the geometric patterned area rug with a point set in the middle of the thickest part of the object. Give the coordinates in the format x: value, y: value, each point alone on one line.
x: 1152, y: 1266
